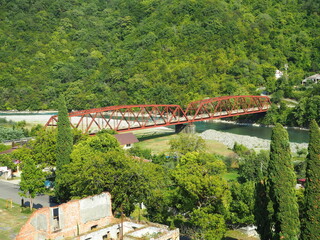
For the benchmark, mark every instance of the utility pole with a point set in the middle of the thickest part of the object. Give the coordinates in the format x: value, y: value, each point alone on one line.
x: 121, y: 224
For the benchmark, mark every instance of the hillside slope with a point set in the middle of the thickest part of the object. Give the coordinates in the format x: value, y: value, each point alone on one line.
x: 113, y: 52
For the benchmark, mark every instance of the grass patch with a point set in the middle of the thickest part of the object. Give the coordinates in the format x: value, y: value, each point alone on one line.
x: 238, y: 235
x: 159, y: 143
x: 218, y: 148
x: 230, y: 176
x: 139, y: 214
x: 11, y: 220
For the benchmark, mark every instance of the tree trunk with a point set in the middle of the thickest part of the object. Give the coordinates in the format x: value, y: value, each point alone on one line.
x: 31, y: 204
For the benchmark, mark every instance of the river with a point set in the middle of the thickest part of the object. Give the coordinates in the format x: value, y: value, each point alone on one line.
x: 295, y: 135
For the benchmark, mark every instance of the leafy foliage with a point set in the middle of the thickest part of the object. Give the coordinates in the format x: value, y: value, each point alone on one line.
x: 32, y: 180
x: 10, y: 134
x: 263, y: 210
x: 200, y: 194
x: 242, y: 204
x: 281, y: 180
x: 99, y: 164
x: 64, y: 146
x: 311, y: 217
x: 43, y: 148
x: 253, y: 167
x: 102, y: 53
x: 185, y: 143
x: 6, y: 160
x: 4, y: 147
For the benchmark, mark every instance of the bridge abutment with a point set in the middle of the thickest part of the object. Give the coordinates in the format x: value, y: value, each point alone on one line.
x: 185, y: 128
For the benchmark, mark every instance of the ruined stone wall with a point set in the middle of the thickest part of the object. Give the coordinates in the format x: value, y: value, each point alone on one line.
x: 69, y: 219
x: 172, y: 235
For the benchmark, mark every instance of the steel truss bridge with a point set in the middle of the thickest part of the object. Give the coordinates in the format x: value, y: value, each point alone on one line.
x: 136, y: 117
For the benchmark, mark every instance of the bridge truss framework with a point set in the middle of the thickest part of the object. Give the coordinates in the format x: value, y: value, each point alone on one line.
x: 136, y: 117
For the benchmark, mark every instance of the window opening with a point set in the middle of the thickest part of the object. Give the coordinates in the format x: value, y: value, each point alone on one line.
x: 94, y: 227
x: 56, y: 219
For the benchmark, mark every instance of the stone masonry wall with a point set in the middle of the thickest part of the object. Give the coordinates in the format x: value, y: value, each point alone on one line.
x: 72, y: 218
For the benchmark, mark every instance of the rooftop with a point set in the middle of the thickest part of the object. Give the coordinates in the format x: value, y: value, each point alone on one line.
x: 126, y: 138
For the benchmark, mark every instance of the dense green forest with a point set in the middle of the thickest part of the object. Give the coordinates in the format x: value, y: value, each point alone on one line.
x: 102, y: 53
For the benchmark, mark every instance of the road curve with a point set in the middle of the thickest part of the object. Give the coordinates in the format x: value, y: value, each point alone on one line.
x: 11, y: 191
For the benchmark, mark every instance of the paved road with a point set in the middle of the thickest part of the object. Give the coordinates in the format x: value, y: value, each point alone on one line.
x: 10, y: 191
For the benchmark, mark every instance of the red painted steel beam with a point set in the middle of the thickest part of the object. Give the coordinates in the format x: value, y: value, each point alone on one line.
x: 134, y: 117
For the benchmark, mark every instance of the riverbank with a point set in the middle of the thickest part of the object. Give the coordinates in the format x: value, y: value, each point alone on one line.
x: 32, y: 119
x: 229, y: 140
x: 14, y: 112
x: 255, y: 124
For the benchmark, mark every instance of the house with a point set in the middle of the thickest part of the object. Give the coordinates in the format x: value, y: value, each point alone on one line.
x: 89, y: 219
x: 8, y: 174
x: 312, y: 79
x: 126, y: 140
x: 5, y: 173
x: 278, y: 74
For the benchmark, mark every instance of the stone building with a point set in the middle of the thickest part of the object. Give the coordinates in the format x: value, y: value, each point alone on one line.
x: 89, y: 219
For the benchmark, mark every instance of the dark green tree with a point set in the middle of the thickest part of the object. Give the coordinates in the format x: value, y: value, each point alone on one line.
x: 200, y: 198
x: 253, y: 167
x: 262, y: 211
x: 99, y: 164
x: 242, y: 204
x: 311, y: 217
x: 64, y: 148
x: 281, y: 181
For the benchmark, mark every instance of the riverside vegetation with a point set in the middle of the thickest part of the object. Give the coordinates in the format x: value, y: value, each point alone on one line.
x: 186, y: 188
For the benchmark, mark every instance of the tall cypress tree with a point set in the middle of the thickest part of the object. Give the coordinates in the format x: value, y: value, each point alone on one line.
x: 281, y: 181
x: 64, y: 148
x: 311, y: 218
x: 261, y: 211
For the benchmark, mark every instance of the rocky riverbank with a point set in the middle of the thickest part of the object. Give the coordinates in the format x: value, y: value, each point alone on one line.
x: 229, y: 139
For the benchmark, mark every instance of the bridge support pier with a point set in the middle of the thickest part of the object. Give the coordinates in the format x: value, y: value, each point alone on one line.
x: 185, y: 128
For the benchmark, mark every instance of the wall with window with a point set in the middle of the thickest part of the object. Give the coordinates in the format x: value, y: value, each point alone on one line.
x: 69, y: 219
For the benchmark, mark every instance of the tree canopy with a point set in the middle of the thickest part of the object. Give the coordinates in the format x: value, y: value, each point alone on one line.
x: 101, y: 53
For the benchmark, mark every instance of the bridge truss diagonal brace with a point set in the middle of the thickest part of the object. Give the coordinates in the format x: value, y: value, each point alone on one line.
x: 135, y: 117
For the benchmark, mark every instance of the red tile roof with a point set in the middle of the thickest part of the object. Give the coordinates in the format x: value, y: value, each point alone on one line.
x: 126, y: 138
x: 9, y: 150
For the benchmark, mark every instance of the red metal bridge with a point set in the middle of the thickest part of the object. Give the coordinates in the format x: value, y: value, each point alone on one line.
x: 136, y: 117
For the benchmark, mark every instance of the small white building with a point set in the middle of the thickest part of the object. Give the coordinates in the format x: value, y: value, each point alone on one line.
x: 5, y: 173
x: 312, y: 79
x: 126, y: 140
x: 278, y: 74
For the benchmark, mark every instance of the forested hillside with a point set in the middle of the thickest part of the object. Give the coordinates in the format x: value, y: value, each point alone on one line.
x: 111, y: 52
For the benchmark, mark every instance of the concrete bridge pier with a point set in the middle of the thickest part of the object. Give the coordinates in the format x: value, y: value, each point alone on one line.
x: 185, y: 128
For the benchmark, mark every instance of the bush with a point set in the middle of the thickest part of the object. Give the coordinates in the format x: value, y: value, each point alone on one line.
x: 10, y: 134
